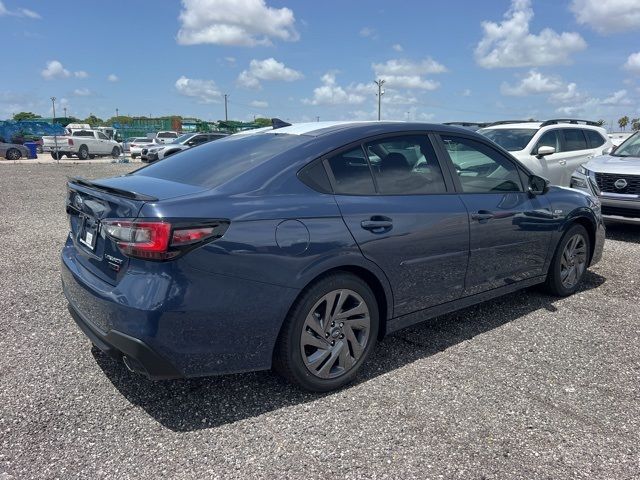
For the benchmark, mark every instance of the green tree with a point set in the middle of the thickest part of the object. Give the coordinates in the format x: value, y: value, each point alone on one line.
x: 601, y: 123
x: 121, y: 119
x: 623, y: 122
x: 263, y: 122
x: 93, y: 121
x: 635, y: 124
x: 25, y: 116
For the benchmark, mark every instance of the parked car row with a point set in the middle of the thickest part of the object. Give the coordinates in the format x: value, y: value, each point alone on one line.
x: 153, y: 152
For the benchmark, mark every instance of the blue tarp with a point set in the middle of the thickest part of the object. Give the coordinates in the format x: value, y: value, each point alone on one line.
x: 19, y: 131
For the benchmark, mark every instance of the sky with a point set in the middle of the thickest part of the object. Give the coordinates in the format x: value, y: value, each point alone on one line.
x: 459, y: 60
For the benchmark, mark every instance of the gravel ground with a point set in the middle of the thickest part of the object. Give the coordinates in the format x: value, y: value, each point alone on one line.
x: 526, y: 386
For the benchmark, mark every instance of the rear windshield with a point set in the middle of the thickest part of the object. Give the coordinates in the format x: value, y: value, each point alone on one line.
x: 142, y: 140
x: 167, y: 135
x: 215, y: 163
x: 511, y: 139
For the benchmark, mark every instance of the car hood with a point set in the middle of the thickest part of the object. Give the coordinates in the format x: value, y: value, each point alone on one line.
x: 613, y: 164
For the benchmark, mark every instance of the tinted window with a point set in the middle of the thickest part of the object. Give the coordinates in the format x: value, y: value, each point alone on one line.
x: 102, y: 136
x: 167, y: 135
x: 83, y: 133
x: 480, y: 168
x: 405, y: 165
x: 198, y: 139
x: 548, y: 139
x: 512, y: 139
x: 351, y: 173
x: 594, y: 139
x: 218, y: 162
x: 315, y: 176
x: 574, y: 139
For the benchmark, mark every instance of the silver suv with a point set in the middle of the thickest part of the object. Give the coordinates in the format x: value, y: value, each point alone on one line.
x: 615, y: 179
x: 552, y: 149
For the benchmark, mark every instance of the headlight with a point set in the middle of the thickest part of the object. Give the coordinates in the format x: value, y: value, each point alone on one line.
x: 583, y: 170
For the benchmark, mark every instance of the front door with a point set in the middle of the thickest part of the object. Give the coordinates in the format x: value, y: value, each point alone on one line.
x: 405, y: 217
x: 510, y: 231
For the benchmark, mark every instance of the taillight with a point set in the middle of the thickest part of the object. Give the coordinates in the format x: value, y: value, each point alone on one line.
x: 159, y: 240
x: 70, y: 141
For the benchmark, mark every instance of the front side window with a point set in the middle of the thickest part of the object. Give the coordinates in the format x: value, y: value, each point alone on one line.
x: 102, y: 136
x: 594, y: 139
x: 480, y: 168
x: 405, y: 165
x: 574, y: 139
x: 351, y: 173
x: 548, y: 139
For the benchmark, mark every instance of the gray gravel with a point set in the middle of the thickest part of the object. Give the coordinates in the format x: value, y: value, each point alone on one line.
x: 527, y: 386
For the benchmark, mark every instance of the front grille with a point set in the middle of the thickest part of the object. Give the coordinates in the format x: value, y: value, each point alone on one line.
x: 621, y: 211
x: 606, y: 183
x: 144, y: 151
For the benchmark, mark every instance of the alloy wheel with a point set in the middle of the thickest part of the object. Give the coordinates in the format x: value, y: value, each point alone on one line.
x: 574, y: 261
x: 335, y: 333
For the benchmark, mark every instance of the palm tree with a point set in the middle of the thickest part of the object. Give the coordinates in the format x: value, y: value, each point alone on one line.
x: 635, y: 124
x: 623, y: 122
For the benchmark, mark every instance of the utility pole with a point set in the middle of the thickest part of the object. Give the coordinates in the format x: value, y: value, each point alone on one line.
x: 226, y: 117
x: 379, y: 83
x: 55, y: 137
x: 317, y: 118
x: 117, y: 112
x: 65, y: 112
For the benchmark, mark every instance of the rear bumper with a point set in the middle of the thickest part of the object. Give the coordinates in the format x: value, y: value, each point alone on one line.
x: 140, y: 357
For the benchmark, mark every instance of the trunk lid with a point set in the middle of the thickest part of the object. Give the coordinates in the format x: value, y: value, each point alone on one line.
x: 88, y: 203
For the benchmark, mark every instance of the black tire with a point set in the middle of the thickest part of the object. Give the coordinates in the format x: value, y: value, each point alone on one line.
x: 83, y: 152
x: 13, y: 154
x: 134, y: 156
x: 115, y: 153
x: 555, y: 284
x: 56, y: 155
x: 288, y: 355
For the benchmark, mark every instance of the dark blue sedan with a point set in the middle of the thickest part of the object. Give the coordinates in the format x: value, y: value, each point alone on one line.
x: 299, y: 247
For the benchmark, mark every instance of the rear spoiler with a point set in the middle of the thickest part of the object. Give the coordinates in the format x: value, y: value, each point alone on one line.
x: 112, y: 190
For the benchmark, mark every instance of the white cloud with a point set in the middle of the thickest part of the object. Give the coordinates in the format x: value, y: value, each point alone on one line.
x: 397, y: 47
x: 569, y: 94
x: 466, y: 92
x: 54, y: 69
x: 259, y: 104
x: 270, y: 70
x: 619, y: 97
x: 633, y: 63
x: 112, y: 78
x: 510, y: 43
x: 82, y: 92
x: 80, y: 74
x: 607, y: 16
x: 403, y: 73
x: 407, y: 67
x: 243, y: 23
x: 205, y: 91
x: 597, y: 107
x: 20, y: 12
x: 534, y: 83
x: 368, y: 32
x: 330, y: 93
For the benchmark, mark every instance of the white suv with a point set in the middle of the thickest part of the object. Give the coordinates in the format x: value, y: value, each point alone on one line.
x: 553, y: 149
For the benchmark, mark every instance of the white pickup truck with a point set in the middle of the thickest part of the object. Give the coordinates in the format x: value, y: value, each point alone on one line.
x: 85, y: 143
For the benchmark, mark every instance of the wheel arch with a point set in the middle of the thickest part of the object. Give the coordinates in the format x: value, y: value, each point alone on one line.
x: 589, y: 223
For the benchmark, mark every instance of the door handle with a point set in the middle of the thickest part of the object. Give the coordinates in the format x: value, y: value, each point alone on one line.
x: 482, y: 215
x: 562, y: 162
x: 377, y: 224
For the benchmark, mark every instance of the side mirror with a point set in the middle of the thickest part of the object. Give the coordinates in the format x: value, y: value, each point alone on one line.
x: 538, y: 185
x: 545, y: 150
x: 608, y: 150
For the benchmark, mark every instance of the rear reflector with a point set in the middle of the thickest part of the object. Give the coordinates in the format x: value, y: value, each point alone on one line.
x: 159, y: 240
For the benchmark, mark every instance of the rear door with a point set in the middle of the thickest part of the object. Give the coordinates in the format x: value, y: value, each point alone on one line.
x: 575, y: 151
x: 510, y: 231
x: 402, y: 211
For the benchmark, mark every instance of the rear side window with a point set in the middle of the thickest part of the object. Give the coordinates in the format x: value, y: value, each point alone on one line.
x: 215, y: 163
x: 405, y: 165
x: 315, y: 176
x: 351, y: 173
x: 574, y: 139
x: 594, y: 139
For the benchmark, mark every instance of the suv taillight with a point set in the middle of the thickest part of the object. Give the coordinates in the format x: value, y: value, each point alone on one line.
x: 160, y: 240
x: 71, y: 142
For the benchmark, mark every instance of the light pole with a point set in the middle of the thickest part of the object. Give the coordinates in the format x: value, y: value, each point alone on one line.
x: 226, y: 117
x: 117, y: 111
x: 379, y: 83
x: 55, y: 137
x: 65, y: 112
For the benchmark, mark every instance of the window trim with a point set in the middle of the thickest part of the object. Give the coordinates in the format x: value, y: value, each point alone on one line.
x: 452, y: 171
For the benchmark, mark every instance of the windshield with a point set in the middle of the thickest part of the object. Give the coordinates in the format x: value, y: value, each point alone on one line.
x: 183, y: 138
x: 511, y: 139
x: 214, y: 163
x: 630, y: 147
